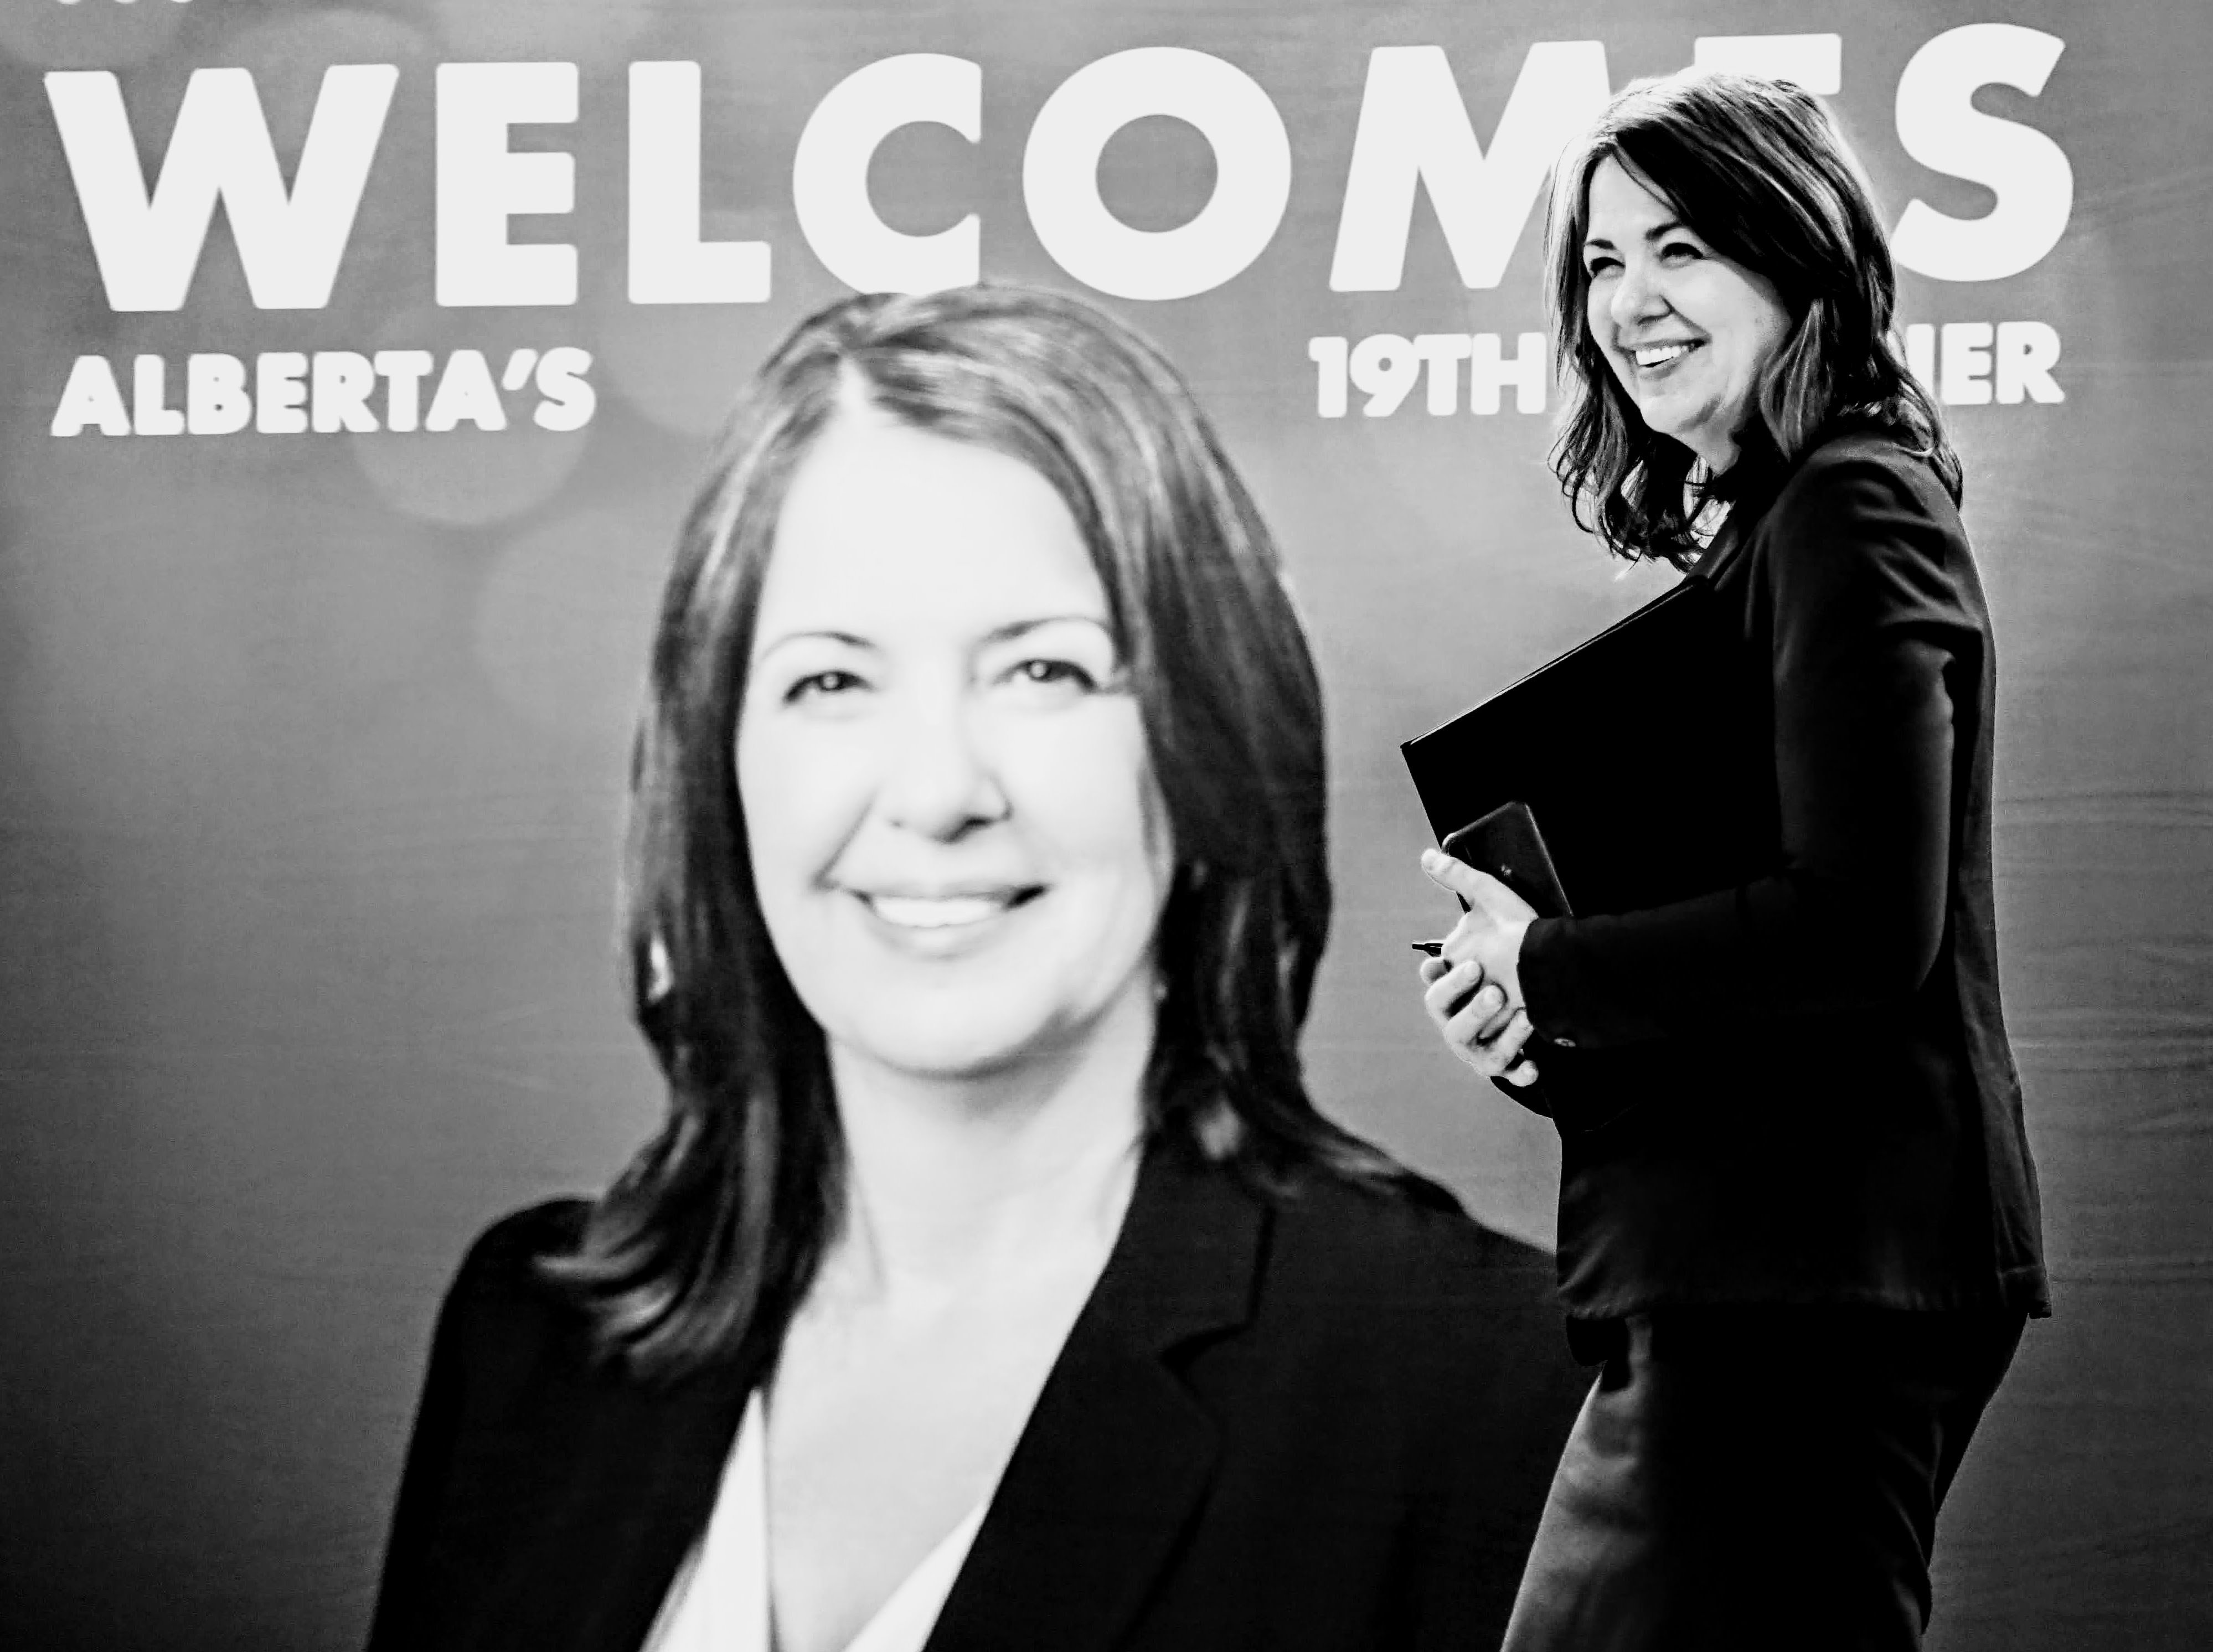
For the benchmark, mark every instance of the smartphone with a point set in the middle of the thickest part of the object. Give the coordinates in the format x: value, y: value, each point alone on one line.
x: 1506, y: 843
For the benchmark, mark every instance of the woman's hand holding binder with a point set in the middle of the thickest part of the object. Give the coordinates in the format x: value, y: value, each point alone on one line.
x: 1474, y: 989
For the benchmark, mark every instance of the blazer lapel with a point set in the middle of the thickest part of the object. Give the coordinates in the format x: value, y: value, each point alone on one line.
x: 640, y: 1470
x: 1109, y: 1471
x: 1726, y: 540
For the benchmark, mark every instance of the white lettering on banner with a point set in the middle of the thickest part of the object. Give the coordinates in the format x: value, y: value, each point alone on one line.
x: 1384, y: 367
x: 90, y: 397
x: 1441, y: 353
x: 280, y: 393
x: 147, y: 243
x: 1414, y: 130
x: 829, y: 174
x: 149, y: 414
x: 669, y: 262
x: 481, y: 183
x: 328, y: 391
x: 343, y: 380
x: 1815, y: 62
x: 2008, y: 363
x: 1328, y: 355
x: 1488, y: 372
x: 1413, y: 138
x: 1252, y: 181
x: 1939, y: 126
x: 569, y: 399
x: 2026, y: 353
x: 403, y: 372
x: 466, y: 392
x: 216, y: 398
x: 1963, y: 377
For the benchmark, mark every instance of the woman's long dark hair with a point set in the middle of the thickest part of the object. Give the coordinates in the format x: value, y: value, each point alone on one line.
x: 703, y: 1246
x: 1759, y: 170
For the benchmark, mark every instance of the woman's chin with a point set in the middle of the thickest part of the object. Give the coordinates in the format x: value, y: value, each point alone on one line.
x: 941, y: 1051
x: 1662, y: 417
x: 1004, y: 1053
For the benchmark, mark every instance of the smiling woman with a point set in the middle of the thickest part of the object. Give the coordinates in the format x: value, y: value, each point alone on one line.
x: 1798, y: 1215
x: 995, y: 1281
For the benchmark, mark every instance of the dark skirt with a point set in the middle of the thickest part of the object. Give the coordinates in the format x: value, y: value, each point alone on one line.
x: 1760, y: 1477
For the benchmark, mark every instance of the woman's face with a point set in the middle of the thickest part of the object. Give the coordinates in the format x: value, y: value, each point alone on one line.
x: 1687, y: 331
x: 956, y: 840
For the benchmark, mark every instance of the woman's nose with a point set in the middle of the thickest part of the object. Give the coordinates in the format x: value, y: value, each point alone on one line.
x: 1635, y: 298
x: 941, y: 781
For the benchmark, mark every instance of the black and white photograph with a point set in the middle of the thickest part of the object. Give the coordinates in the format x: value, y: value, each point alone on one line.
x: 1014, y: 825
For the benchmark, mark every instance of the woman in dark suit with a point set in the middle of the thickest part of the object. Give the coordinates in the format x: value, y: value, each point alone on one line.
x: 1798, y: 1217
x: 994, y: 1282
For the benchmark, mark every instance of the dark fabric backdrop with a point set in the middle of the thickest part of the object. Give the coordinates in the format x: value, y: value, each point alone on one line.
x: 311, y: 746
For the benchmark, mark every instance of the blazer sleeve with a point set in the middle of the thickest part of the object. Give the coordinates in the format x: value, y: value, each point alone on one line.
x: 1862, y: 562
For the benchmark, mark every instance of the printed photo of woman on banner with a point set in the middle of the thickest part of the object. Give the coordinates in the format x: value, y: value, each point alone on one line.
x: 797, y: 643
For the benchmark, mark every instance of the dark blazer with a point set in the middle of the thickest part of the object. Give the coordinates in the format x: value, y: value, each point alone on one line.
x: 1320, y: 1420
x: 1814, y: 1098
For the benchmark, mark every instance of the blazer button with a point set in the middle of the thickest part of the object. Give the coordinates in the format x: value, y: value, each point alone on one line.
x: 1564, y: 1044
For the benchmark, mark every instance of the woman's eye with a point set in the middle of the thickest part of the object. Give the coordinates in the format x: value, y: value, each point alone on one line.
x: 818, y: 685
x: 1053, y: 673
x: 1599, y: 267
x: 1680, y: 251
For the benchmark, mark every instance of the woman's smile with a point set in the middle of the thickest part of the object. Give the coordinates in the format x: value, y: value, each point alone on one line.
x: 1653, y: 360
x: 946, y: 923
x: 941, y: 912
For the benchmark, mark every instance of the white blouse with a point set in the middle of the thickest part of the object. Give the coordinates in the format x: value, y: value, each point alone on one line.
x: 719, y: 1602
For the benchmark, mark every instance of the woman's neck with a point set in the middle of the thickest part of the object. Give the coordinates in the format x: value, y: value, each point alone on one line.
x: 950, y: 1179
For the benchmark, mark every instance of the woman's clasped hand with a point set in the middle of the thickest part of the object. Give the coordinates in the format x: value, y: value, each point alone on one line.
x: 1472, y: 988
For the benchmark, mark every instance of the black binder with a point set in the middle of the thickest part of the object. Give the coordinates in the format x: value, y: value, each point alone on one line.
x: 1636, y: 751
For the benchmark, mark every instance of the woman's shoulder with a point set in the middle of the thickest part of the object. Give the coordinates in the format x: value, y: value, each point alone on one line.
x: 502, y: 1306
x: 1406, y: 1251
x: 1863, y: 528
x: 502, y: 1261
x: 1862, y: 472
x: 1408, y: 1313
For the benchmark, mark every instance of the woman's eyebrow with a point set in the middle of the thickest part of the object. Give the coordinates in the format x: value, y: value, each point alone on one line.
x: 1015, y: 628
x: 1666, y: 227
x: 821, y: 635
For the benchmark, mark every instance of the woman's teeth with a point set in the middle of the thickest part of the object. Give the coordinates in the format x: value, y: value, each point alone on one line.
x: 1661, y: 355
x: 937, y: 913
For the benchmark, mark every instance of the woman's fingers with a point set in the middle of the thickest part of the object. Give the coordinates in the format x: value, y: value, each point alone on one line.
x: 1476, y: 1022
x: 1467, y: 1008
x: 1454, y: 876
x: 1448, y: 988
x: 1504, y: 1052
x: 1482, y: 891
x: 1480, y: 1020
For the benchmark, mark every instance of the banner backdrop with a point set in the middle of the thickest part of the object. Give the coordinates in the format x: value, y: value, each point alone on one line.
x: 358, y: 361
